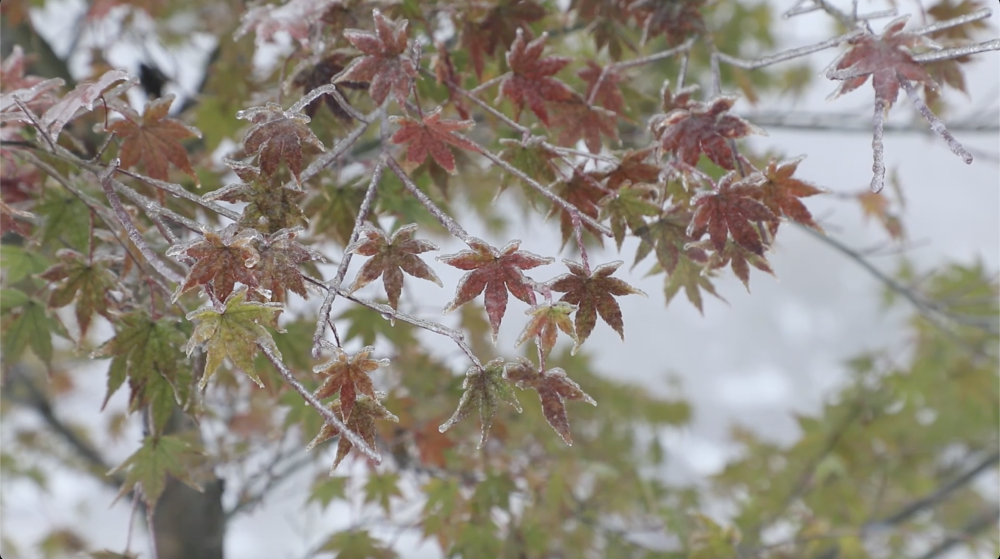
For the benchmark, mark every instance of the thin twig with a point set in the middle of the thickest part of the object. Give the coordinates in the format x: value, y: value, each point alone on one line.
x: 958, y: 52
x: 443, y: 218
x: 155, y: 553
x: 936, y: 124
x: 977, y: 15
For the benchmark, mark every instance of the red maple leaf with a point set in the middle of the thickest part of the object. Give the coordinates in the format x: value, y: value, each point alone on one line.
x: 278, y: 269
x: 594, y: 293
x: 577, y: 120
x: 780, y: 192
x: 498, y: 28
x: 739, y: 259
x: 887, y: 58
x: 385, y: 64
x: 496, y: 272
x: 584, y: 192
x: 432, y: 136
x: 632, y: 168
x: 154, y: 139
x: 608, y: 94
x: 702, y: 127
x: 444, y: 70
x: 730, y: 208
x: 554, y: 389
x: 360, y: 420
x: 277, y: 135
x: 220, y: 261
x: 348, y: 376
x: 676, y: 20
x: 390, y: 258
x: 529, y: 81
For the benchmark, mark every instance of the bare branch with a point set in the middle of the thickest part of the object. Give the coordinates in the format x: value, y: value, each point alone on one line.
x: 977, y: 15
x: 936, y: 124
x: 958, y: 52
x: 443, y: 218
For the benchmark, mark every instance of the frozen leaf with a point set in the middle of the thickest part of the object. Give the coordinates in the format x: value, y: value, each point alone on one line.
x: 739, y: 258
x: 533, y: 158
x: 691, y: 276
x: 608, y: 94
x: 546, y: 321
x: 498, y: 29
x: 594, y: 294
x: 632, y: 168
x: 154, y: 139
x: 496, y: 272
x: 348, y: 377
x: 235, y: 332
x: 277, y: 135
x: 220, y: 261
x: 445, y: 72
x: 583, y: 192
x: 579, y: 121
x: 675, y: 21
x: 269, y: 208
x: 87, y: 281
x: 554, y: 389
x: 530, y: 80
x: 295, y: 17
x: 702, y: 127
x: 361, y: 420
x: 82, y: 97
x: 149, y: 467
x: 780, y: 192
x: 484, y: 389
x: 33, y: 91
x: 627, y: 208
x: 730, y: 209
x: 278, y: 269
x: 667, y: 237
x: 432, y: 136
x: 390, y: 258
x: 385, y: 64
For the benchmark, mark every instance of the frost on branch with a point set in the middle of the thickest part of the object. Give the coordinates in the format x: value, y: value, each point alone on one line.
x: 348, y: 377
x: 484, y: 389
x: 390, y: 258
x: 385, y: 65
x: 360, y: 420
x: 554, y: 388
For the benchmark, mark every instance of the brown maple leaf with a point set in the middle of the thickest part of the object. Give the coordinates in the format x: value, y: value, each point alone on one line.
x: 85, y: 280
x: 153, y: 139
x: 360, y: 420
x: 578, y: 120
x: 608, y: 94
x: 390, y: 258
x: 632, y: 168
x: 220, y: 261
x: 432, y: 136
x: 348, y: 376
x: 730, y: 208
x: 496, y: 272
x: 594, y: 293
x: 739, y: 258
x: 497, y: 29
x: 584, y: 192
x: 530, y: 80
x: 780, y: 192
x: 702, y: 127
x: 887, y: 58
x: 554, y: 389
x: 276, y: 135
x: 278, y: 269
x: 385, y: 64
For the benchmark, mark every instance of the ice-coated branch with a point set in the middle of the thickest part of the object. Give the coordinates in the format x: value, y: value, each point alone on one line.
x: 786, y: 55
x: 878, y: 153
x: 181, y: 192
x: 34, y: 121
x: 443, y: 218
x: 331, y: 90
x: 366, y: 206
x: 977, y: 15
x: 936, y: 124
x: 328, y: 415
x: 958, y: 52
x: 324, y: 160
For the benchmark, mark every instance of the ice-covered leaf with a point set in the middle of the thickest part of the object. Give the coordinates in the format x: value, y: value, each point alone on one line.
x: 348, y: 376
x: 432, y: 136
x: 675, y: 20
x: 530, y: 80
x: 632, y: 168
x: 235, y: 332
x: 81, y: 98
x: 628, y: 208
x: 554, y: 389
x: 497, y: 29
x: 691, y: 276
x: 269, y: 208
x: 780, y: 192
x: 577, y: 121
x: 385, y: 65
x: 605, y: 92
x: 33, y: 91
x: 295, y: 17
x: 277, y: 135
x: 546, y: 321
x: 361, y: 420
x: 149, y: 467
x: 87, y: 281
x: 153, y: 139
x: 496, y: 272
x: 220, y: 261
x: 698, y: 127
x: 484, y: 389
x: 594, y: 294
x: 667, y: 238
x: 391, y: 256
x: 739, y: 258
x: 278, y: 269
x: 731, y: 208
x: 583, y: 191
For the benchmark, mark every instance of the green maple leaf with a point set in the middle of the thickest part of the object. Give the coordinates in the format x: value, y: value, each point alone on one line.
x: 18, y: 263
x: 235, y: 333
x: 688, y: 275
x: 484, y: 388
x: 546, y: 321
x: 149, y: 467
x: 626, y: 208
x: 85, y: 280
x: 357, y: 544
x: 29, y: 327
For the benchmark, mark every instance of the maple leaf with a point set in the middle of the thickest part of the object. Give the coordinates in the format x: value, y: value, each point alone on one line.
x: 220, y: 261
x: 626, y: 208
x: 360, y: 420
x: 385, y: 64
x: 667, y: 237
x: 82, y: 97
x: 498, y: 28
x: 148, y: 467
x: 730, y: 209
x: 432, y: 444
x: 554, y: 389
x: 533, y: 158
x: 546, y: 321
x: 432, y: 136
x: 484, y: 389
x: 632, y: 168
x: 496, y: 272
x: 33, y: 91
x: 320, y: 75
x: 675, y: 20
x: 529, y: 81
x: 739, y: 258
x: 702, y: 127
x: 876, y: 205
x: 153, y: 139
x: 691, y: 275
x: 607, y: 94
x: 583, y: 192
x: 276, y: 135
x: 278, y: 269
x: 268, y: 209
x: 780, y: 192
x: 577, y: 120
x: 444, y: 71
x: 390, y: 258
x: 348, y: 377
x: 235, y: 332
x: 594, y: 293
x: 87, y: 281
x: 295, y: 17
x: 887, y: 58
